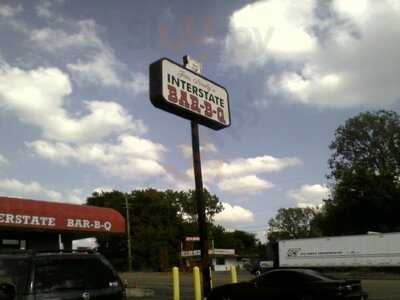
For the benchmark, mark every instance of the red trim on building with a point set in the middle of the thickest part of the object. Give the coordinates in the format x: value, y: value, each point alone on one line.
x: 23, y: 214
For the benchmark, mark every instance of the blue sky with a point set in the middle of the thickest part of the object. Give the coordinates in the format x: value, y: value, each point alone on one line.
x: 75, y: 114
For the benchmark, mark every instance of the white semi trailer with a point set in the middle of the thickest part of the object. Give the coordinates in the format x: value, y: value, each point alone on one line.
x: 370, y: 250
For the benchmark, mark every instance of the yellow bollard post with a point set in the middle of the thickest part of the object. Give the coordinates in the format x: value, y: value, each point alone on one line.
x: 196, y: 283
x: 233, y: 274
x: 175, y: 282
x: 211, y: 279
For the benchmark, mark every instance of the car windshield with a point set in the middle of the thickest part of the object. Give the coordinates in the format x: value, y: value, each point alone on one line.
x: 15, y: 271
x: 64, y: 273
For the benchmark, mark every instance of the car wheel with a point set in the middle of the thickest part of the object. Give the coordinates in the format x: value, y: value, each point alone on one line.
x: 257, y: 273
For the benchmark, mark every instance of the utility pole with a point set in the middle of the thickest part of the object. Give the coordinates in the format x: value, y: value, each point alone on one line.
x: 201, y: 209
x: 128, y: 234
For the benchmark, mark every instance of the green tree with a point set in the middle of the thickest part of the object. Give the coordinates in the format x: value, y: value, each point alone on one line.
x: 187, y: 203
x: 292, y: 223
x: 243, y: 242
x: 365, y: 172
x: 159, y: 220
x: 362, y: 202
x: 370, y: 143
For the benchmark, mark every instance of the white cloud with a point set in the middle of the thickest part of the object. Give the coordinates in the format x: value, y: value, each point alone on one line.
x: 100, y: 70
x: 210, y: 40
x: 138, y: 83
x: 34, y: 190
x: 309, y: 195
x: 12, y: 187
x: 131, y: 158
x: 55, y: 40
x: 249, y: 184
x: 248, y: 166
x: 44, y: 9
x: 103, y: 68
x: 16, y: 188
x: 233, y: 215
x: 98, y: 64
x: 238, y: 176
x: 3, y: 161
x: 178, y: 181
x: 7, y: 11
x: 79, y: 45
x: 206, y: 148
x: 38, y: 96
x: 209, y: 148
x: 75, y: 196
x: 103, y: 189
x: 270, y: 30
x: 186, y: 150
x: 347, y: 58
x: 261, y: 235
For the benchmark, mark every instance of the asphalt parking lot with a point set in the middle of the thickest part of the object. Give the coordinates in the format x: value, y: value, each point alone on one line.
x: 161, y: 284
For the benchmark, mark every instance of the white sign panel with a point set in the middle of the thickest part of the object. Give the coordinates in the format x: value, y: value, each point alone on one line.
x: 190, y: 253
x: 190, y: 95
x: 192, y: 239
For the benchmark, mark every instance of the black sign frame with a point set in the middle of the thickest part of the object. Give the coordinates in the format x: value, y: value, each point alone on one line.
x: 157, y: 99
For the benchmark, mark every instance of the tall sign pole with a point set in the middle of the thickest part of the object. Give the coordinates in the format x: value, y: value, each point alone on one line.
x: 128, y: 234
x: 200, y: 203
x: 184, y: 92
x: 201, y: 209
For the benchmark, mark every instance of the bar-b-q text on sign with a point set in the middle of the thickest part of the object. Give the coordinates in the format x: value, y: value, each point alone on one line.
x: 182, y: 92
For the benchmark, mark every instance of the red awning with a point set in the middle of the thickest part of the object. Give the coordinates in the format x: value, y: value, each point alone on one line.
x: 24, y: 214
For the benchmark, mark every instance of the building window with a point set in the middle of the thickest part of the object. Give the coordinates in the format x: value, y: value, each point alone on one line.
x: 220, y: 261
x: 9, y: 244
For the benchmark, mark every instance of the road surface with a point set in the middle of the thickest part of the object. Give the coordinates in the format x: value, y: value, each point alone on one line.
x: 161, y: 284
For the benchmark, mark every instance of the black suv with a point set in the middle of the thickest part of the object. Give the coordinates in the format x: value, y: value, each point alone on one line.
x: 58, y: 275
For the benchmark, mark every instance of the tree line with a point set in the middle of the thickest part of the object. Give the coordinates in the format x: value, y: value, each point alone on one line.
x: 364, y: 182
x: 160, y: 221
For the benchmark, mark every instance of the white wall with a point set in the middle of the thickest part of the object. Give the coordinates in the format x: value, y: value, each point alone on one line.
x: 229, y: 261
x: 355, y: 251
